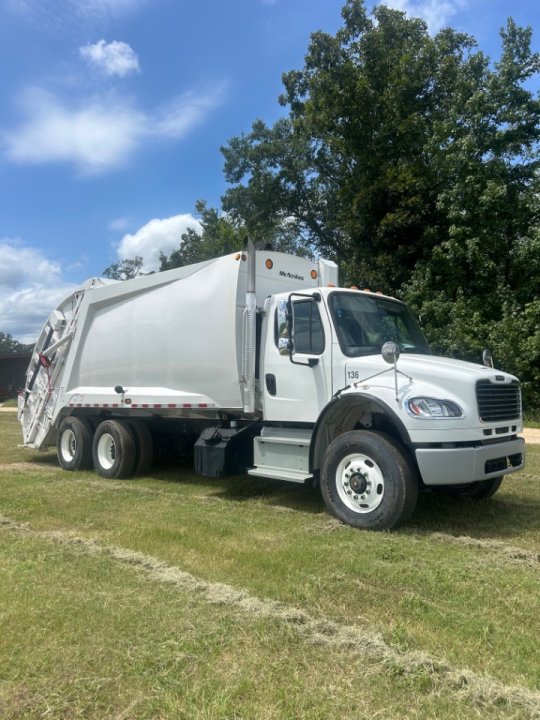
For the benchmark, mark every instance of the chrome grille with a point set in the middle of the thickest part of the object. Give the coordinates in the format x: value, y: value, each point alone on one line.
x: 498, y: 402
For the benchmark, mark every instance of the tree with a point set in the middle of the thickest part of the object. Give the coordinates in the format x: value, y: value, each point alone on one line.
x: 413, y: 161
x: 480, y: 285
x: 124, y: 270
x: 350, y: 163
x: 219, y: 236
x: 222, y: 234
x: 10, y: 346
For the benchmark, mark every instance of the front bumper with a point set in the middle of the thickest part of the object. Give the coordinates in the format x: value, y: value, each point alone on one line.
x: 458, y: 466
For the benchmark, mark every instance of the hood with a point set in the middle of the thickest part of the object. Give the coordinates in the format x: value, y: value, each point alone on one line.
x: 423, y: 376
x: 442, y: 371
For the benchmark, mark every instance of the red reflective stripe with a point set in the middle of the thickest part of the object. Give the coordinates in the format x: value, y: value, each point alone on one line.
x: 141, y: 405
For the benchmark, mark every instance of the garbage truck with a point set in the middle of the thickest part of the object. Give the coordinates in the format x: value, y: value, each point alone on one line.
x: 260, y: 364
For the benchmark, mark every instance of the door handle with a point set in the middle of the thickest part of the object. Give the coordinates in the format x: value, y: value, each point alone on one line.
x: 271, y: 386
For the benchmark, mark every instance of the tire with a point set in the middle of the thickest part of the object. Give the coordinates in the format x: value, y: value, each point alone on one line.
x: 114, y: 450
x: 368, y: 482
x: 144, y: 447
x: 480, y: 490
x: 74, y: 444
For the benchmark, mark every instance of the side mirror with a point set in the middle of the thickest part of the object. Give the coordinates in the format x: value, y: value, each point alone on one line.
x: 390, y: 352
x: 487, y: 358
x: 284, y: 328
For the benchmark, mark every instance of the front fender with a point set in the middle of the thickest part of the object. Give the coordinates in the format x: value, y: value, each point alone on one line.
x: 345, y: 413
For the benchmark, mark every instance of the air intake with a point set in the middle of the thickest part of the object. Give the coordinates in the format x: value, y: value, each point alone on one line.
x: 496, y: 402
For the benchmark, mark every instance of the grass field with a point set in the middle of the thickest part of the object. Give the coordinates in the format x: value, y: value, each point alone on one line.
x: 175, y: 596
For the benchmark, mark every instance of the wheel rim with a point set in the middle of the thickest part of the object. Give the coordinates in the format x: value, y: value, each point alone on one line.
x: 106, y: 451
x: 360, y: 483
x: 68, y: 445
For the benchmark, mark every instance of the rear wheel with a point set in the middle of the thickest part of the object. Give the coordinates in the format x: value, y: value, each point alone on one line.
x: 74, y: 443
x: 144, y: 446
x: 114, y: 450
x: 368, y: 482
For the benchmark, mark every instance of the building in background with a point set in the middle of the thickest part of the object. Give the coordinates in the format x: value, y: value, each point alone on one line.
x: 13, y: 368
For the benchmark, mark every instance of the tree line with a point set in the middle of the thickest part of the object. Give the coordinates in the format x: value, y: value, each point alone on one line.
x: 412, y: 160
x: 10, y: 346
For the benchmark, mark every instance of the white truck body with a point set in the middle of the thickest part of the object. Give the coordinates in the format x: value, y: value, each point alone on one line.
x: 271, y: 364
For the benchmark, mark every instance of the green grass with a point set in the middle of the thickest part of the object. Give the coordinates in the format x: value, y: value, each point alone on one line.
x: 9, y: 403
x: 92, y: 634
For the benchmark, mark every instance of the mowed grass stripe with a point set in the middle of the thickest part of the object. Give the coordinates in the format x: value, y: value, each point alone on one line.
x: 511, y: 553
x: 473, y: 606
x: 457, y: 602
x: 85, y: 637
x: 364, y: 642
x: 504, y: 552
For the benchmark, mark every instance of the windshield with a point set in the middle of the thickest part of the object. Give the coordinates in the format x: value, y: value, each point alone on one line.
x: 364, y: 323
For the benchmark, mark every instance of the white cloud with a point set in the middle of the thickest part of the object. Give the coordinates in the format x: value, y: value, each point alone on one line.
x: 67, y: 18
x: 97, y: 134
x: 20, y: 263
x: 81, y: 8
x: 157, y: 235
x: 104, y: 7
x: 114, y: 58
x: 31, y: 285
x: 120, y: 224
x: 187, y: 111
x: 436, y: 13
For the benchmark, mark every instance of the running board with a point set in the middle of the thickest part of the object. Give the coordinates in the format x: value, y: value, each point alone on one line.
x: 284, y: 456
x: 279, y: 474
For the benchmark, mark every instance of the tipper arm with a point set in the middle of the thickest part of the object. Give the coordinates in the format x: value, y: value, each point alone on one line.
x: 44, y: 375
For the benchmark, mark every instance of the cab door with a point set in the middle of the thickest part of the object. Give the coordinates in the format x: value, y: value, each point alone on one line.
x: 296, y: 386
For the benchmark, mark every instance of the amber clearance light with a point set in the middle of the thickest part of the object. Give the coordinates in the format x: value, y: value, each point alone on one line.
x: 314, y: 274
x: 269, y: 264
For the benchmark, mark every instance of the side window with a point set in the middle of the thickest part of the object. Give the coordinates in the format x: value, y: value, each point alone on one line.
x: 308, y: 329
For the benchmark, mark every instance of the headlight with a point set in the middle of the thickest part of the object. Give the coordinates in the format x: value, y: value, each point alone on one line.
x: 426, y: 407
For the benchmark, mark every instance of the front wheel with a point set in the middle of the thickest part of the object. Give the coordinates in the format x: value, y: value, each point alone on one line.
x: 368, y: 482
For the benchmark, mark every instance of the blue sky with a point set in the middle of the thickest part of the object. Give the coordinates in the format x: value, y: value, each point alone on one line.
x: 112, y: 114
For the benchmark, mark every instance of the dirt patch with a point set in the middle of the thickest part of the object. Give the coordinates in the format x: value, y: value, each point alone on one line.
x: 531, y: 435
